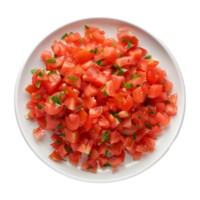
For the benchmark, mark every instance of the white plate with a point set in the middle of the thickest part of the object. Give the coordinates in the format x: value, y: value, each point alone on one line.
x: 129, y: 168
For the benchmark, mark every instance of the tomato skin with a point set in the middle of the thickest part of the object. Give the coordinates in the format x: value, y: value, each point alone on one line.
x: 136, y: 54
x: 95, y: 154
x: 110, y: 89
x: 126, y: 60
x: 173, y: 98
x: 152, y: 63
x: 168, y: 86
x: 95, y: 112
x: 138, y: 95
x: 104, y: 123
x: 137, y: 155
x: 54, y: 156
x: 155, y: 91
x: 71, y: 103
x: 171, y: 109
x: 31, y: 104
x: 72, y: 122
x: 85, y: 146
x: 110, y: 54
x: 90, y: 90
x: 117, y: 81
x: 114, y: 137
x: 82, y: 55
x: 98, y: 37
x: 71, y: 136
x: 31, y: 89
x: 92, y: 163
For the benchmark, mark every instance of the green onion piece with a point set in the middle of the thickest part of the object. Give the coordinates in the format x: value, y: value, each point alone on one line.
x: 137, y: 85
x: 115, y: 114
x: 120, y: 68
x: 137, y: 126
x: 98, y: 62
x: 121, y: 55
x: 64, y: 36
x: 38, y: 84
x: 126, y: 133
x: 39, y: 106
x: 134, y: 135
x: 113, y: 44
x: 105, y: 135
x: 87, y: 27
x: 90, y: 167
x: 59, y: 142
x: 123, y: 40
x: 103, y: 88
x: 135, y: 76
x: 105, y: 94
x: 50, y: 60
x: 40, y: 74
x: 108, y: 165
x: 50, y: 100
x: 66, y: 91
x: 55, y: 117
x: 158, y: 124
x: 72, y: 78
x: 90, y: 35
x: 94, y: 51
x: 130, y: 45
x: 53, y: 71
x: 55, y: 56
x: 33, y: 71
x: 59, y: 126
x: 79, y: 108
x: 151, y: 112
x: 148, y: 57
x: 38, y: 96
x: 127, y: 85
x: 90, y: 154
x: 63, y: 159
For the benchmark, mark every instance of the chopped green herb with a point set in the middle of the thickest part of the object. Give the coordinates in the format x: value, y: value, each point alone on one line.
x: 40, y: 74
x: 127, y: 85
x: 98, y: 62
x: 50, y: 60
x: 120, y: 119
x: 120, y: 68
x: 87, y: 27
x: 65, y: 107
x: 66, y: 91
x: 107, y: 154
x: 62, y: 134
x: 79, y: 107
x: 71, y: 33
x: 105, y: 94
x: 139, y: 117
x: 148, y: 57
x: 73, y: 79
x: 121, y: 55
x: 90, y: 167
x: 108, y: 138
x: 59, y: 126
x: 148, y: 125
x: 137, y: 85
x: 33, y: 71
x: 113, y: 44
x: 139, y: 65
x: 39, y: 106
x: 166, y: 102
x: 55, y: 117
x: 108, y: 165
x: 103, y: 88
x: 151, y: 112
x: 90, y: 154
x: 90, y: 35
x: 115, y: 114
x: 38, y: 84
x: 134, y: 135
x: 94, y: 51
x: 38, y: 96
x: 158, y: 124
x: 59, y: 142
x: 68, y: 150
x: 137, y: 126
x: 64, y: 36
x: 123, y: 40
x: 115, y: 87
x: 55, y: 56
x: 130, y: 45
x: 31, y: 115
x: 53, y: 71
x: 63, y: 159
x: 101, y: 51
x: 105, y: 135
x: 135, y: 76
x: 115, y: 73
x: 81, y: 40
x: 120, y: 29
x: 45, y: 122
x: 56, y: 100
x: 162, y: 81
x: 126, y: 133
x: 50, y: 100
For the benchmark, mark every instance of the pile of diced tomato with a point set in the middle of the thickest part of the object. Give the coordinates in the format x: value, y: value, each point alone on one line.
x: 101, y: 97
